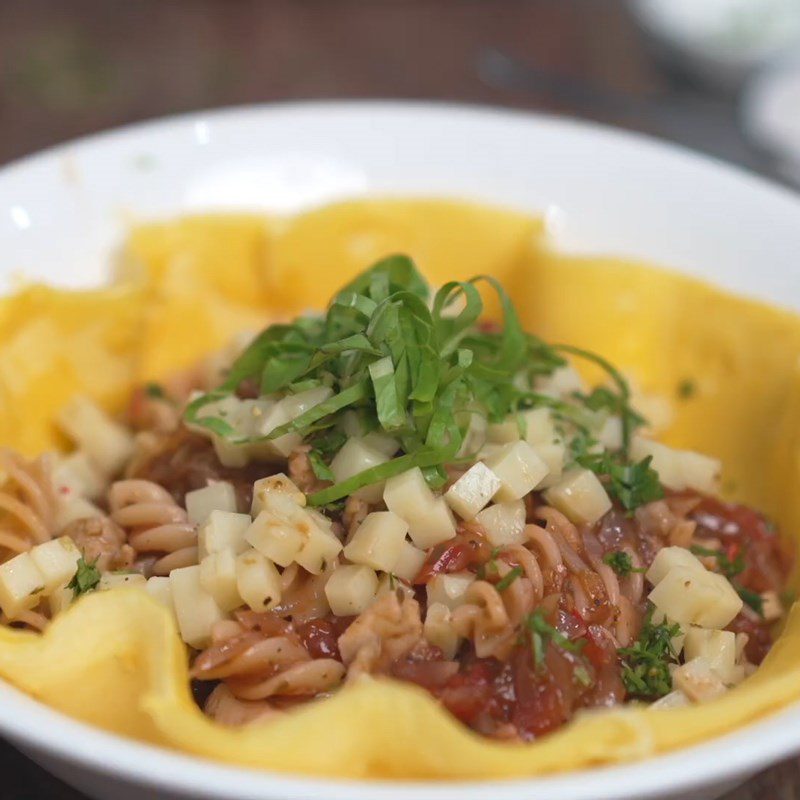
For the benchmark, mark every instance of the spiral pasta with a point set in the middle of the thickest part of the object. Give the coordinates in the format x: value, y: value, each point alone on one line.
x: 154, y: 523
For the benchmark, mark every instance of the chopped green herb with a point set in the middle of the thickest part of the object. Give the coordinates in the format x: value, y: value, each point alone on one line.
x: 582, y: 676
x: 621, y: 562
x: 687, y: 388
x: 155, y: 390
x: 85, y: 579
x: 730, y: 569
x: 541, y: 632
x: 633, y: 484
x: 751, y: 598
x: 392, y: 580
x: 508, y: 579
x: 319, y: 467
x: 645, y: 665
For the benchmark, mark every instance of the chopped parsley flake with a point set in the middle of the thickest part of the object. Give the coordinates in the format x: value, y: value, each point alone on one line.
x: 541, y: 633
x: 621, y: 562
x: 508, y: 579
x: 645, y: 665
x: 85, y: 579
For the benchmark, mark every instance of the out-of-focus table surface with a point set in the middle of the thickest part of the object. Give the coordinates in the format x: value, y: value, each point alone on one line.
x: 67, y: 69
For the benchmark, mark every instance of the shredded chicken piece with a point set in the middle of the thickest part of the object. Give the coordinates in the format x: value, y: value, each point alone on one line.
x: 355, y: 511
x: 102, y: 541
x: 301, y: 472
x: 382, y: 634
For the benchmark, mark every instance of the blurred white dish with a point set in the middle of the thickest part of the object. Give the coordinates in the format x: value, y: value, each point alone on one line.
x: 601, y: 191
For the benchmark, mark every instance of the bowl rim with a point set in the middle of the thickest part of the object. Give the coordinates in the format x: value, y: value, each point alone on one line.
x: 47, y: 731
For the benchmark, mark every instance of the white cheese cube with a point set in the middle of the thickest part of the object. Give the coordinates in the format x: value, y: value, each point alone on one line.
x: 669, y: 557
x: 231, y: 454
x: 381, y: 442
x: 281, y: 447
x: 120, y: 580
x: 73, y: 507
x: 223, y: 530
x: 772, y: 608
x: 21, y: 585
x: 450, y: 590
x: 107, y: 443
x: 195, y: 609
x: 438, y: 630
x: 475, y: 425
x: 355, y: 457
x: 503, y: 523
x: 539, y: 426
x: 691, y: 597
x: 610, y: 433
x: 77, y: 474
x: 472, y: 491
x: 57, y: 561
x: 351, y: 589
x: 678, y: 469
x: 580, y: 496
x: 258, y: 582
x: 554, y: 455
x: 319, y: 548
x: 218, y: 578
x: 429, y: 519
x: 675, y: 699
x: 698, y: 681
x: 561, y: 382
x: 377, y: 541
x: 297, y: 404
x: 159, y: 589
x: 718, y: 648
x: 409, y: 562
x: 219, y: 496
x: 279, y: 484
x: 700, y: 472
x: 518, y: 468
x: 278, y: 539
x: 504, y: 432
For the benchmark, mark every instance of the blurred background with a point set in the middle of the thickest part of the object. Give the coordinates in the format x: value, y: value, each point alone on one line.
x: 719, y: 76
x: 722, y: 76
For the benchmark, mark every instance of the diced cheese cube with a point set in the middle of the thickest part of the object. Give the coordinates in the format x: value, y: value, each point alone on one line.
x: 223, y: 530
x: 297, y: 404
x: 472, y: 491
x: 280, y: 484
x: 409, y: 562
x: 231, y: 454
x: 282, y: 446
x: 22, y: 585
x: 698, y: 681
x: 77, y: 474
x: 610, y: 433
x: 675, y: 699
x: 669, y: 557
x: 518, y: 468
x: 691, y: 597
x: 539, y: 426
x: 219, y: 496
x: 120, y: 580
x: 678, y: 469
x: 449, y: 589
x: 218, y: 578
x: 319, y: 548
x: 195, y: 609
x: 276, y: 538
x: 57, y: 561
x: 351, y: 589
x: 429, y: 519
x: 73, y: 507
x: 438, y: 630
x: 60, y: 600
x: 718, y: 648
x: 580, y: 496
x: 159, y: 589
x: 475, y: 425
x: 561, y: 382
x: 354, y: 457
x: 107, y: 443
x: 258, y: 581
x: 381, y: 442
x: 505, y: 431
x: 772, y: 608
x: 377, y: 541
x: 503, y: 523
x: 554, y: 455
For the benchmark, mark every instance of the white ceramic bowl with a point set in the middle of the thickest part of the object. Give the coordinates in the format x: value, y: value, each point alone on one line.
x: 602, y: 191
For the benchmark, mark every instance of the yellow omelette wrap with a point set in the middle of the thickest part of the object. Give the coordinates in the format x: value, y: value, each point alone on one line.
x: 183, y: 288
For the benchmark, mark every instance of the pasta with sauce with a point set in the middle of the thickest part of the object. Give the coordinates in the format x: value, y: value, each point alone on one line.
x: 399, y: 489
